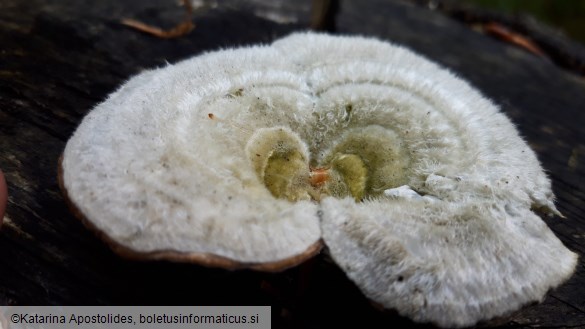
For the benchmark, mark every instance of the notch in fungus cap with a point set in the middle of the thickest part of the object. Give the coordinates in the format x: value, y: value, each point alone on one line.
x: 422, y: 191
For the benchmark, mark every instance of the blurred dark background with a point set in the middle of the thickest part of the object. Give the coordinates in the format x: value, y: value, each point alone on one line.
x: 568, y: 16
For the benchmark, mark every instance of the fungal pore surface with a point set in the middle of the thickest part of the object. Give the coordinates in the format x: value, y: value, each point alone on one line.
x: 422, y: 191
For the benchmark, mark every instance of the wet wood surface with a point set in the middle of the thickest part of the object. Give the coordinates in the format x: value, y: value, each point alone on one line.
x: 58, y: 59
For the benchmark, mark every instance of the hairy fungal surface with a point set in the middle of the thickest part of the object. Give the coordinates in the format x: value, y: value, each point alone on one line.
x: 422, y: 191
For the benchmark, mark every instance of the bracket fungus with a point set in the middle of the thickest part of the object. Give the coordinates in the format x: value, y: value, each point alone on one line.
x: 422, y: 191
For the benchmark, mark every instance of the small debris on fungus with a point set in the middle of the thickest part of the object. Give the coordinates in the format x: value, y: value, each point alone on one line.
x: 392, y: 162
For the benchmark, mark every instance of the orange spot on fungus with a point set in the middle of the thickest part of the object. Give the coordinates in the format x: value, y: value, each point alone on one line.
x: 318, y: 176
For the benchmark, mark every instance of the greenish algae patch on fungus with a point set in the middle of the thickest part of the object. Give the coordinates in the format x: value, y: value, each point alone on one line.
x: 364, y: 162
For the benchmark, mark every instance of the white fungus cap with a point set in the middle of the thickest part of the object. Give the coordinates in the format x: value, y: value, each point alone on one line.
x: 421, y: 189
